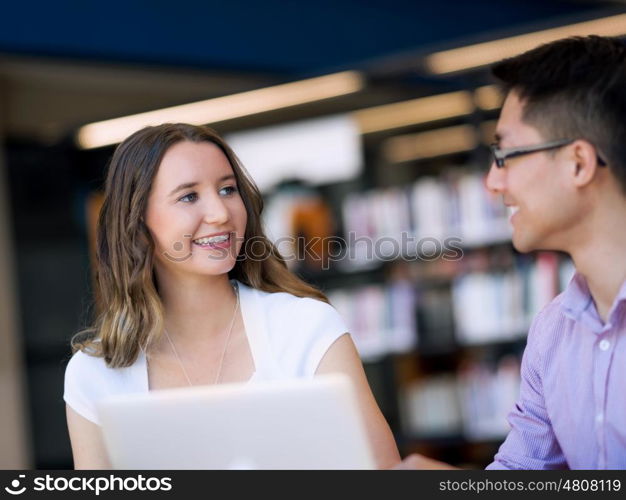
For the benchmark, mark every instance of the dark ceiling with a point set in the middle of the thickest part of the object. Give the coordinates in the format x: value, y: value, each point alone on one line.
x: 290, y: 38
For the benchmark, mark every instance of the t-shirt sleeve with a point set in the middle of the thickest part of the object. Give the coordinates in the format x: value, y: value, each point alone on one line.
x: 82, y: 384
x: 328, y: 327
x: 315, y: 326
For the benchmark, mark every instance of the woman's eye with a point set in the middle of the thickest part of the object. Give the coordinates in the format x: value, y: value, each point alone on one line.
x: 228, y: 190
x: 189, y: 197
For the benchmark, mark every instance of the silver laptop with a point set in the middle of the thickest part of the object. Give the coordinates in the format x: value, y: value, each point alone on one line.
x: 292, y: 424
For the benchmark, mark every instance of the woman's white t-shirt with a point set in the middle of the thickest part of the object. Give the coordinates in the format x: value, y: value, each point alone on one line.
x: 288, y: 336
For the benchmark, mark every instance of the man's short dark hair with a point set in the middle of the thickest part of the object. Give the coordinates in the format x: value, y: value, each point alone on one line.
x: 574, y: 88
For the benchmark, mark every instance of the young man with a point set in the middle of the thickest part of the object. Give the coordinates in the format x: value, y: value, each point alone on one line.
x: 560, y: 165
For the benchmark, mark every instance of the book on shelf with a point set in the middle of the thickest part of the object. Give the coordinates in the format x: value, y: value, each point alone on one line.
x: 431, y: 408
x: 472, y: 403
x: 456, y: 205
x: 381, y: 318
x: 496, y: 306
x: 487, y: 396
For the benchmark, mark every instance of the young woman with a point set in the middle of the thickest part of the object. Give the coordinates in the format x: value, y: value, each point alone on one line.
x: 191, y: 292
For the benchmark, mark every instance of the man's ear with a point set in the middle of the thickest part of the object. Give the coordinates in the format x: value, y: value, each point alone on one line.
x: 586, y: 166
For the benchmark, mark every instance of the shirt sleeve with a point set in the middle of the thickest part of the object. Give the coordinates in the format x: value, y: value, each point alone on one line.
x: 302, y: 331
x: 327, y: 326
x: 81, y: 385
x: 531, y: 443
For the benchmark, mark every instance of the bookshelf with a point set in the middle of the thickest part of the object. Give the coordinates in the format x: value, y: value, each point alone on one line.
x: 424, y: 273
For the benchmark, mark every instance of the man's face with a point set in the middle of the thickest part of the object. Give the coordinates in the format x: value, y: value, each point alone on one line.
x: 535, y: 187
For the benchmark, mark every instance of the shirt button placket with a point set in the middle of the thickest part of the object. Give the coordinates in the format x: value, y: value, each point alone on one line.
x: 602, y: 355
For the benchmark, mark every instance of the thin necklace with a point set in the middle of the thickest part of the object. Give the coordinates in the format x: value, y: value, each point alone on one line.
x: 219, y: 369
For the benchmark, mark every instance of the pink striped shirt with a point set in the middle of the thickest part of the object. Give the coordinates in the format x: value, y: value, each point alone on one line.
x: 571, y: 412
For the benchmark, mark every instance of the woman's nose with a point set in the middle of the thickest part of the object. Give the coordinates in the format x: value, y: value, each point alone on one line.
x: 216, y: 212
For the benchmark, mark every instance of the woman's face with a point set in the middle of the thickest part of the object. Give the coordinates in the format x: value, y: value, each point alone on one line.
x: 195, y: 213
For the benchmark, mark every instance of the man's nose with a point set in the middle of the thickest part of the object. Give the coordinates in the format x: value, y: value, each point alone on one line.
x: 495, y: 180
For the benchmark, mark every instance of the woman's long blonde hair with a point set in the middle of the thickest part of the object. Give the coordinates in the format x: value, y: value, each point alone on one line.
x: 129, y: 310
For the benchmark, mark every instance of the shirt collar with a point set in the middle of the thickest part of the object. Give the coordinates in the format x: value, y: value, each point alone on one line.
x: 621, y: 297
x: 577, y: 298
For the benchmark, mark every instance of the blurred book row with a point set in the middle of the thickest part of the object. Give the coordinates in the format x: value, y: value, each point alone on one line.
x: 381, y: 318
x: 500, y: 306
x: 453, y: 205
x: 415, y: 220
x: 473, y: 402
x: 477, y: 308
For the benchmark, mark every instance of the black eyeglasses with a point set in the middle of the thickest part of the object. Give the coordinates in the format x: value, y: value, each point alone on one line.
x: 500, y: 155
